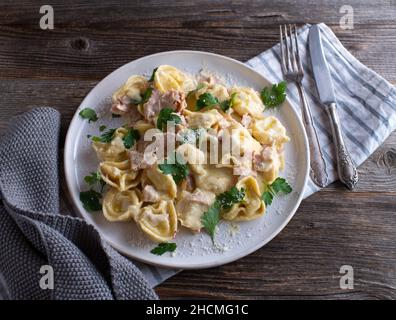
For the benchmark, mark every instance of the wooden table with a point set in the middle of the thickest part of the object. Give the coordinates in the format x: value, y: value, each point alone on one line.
x: 332, y: 228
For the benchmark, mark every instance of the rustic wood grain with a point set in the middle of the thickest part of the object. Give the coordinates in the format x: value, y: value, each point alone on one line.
x: 90, y: 48
x: 332, y: 228
x: 305, y: 258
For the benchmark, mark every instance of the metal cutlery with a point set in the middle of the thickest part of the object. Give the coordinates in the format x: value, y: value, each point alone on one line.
x: 293, y: 72
x: 346, y: 168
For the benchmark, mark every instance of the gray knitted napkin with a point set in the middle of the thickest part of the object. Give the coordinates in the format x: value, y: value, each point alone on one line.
x: 33, y: 235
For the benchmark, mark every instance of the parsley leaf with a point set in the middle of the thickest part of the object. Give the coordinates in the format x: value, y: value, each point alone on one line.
x: 280, y: 185
x: 130, y: 138
x: 224, y: 201
x: 146, y: 95
x: 267, y: 197
x: 227, y: 104
x: 102, y: 127
x: 228, y: 198
x: 88, y: 114
x: 164, y: 247
x: 153, y: 75
x: 206, y: 100
x: 94, y: 178
x: 211, y: 218
x: 199, y: 87
x: 165, y: 115
x: 105, y: 137
x: 90, y: 200
x: 274, y: 96
x: 171, y: 166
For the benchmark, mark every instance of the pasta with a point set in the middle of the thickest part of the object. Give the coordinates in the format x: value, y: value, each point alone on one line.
x: 188, y: 141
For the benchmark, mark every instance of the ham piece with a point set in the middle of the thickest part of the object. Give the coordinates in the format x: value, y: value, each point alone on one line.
x: 173, y: 99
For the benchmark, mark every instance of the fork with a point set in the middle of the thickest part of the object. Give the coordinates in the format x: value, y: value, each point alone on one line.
x: 293, y: 72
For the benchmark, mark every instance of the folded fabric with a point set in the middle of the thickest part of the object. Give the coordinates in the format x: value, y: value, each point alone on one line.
x: 34, y: 235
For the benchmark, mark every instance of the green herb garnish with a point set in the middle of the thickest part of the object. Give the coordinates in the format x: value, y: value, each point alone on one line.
x: 165, y: 115
x: 95, y: 178
x: 105, y: 137
x: 130, y: 138
x: 227, y: 104
x: 172, y: 166
x: 206, y: 100
x: 280, y: 185
x: 224, y: 201
x: 211, y: 218
x: 90, y: 200
x: 199, y: 87
x: 274, y: 96
x: 164, y: 247
x: 153, y: 75
x: 88, y: 114
x: 102, y: 127
x: 229, y: 198
x: 146, y: 95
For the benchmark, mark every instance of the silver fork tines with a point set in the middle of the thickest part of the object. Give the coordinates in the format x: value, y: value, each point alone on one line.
x: 293, y: 72
x: 291, y: 62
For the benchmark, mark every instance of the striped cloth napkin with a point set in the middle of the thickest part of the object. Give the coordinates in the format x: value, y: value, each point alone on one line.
x: 366, y: 106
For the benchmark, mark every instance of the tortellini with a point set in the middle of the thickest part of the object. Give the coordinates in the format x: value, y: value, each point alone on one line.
x: 204, y: 119
x: 121, y: 206
x: 219, y: 91
x: 252, y: 207
x: 167, y: 78
x: 192, y: 206
x: 247, y: 101
x: 119, y: 174
x: 114, y: 150
x: 134, y: 87
x: 159, y: 221
x: 210, y: 178
x: 269, y: 130
x: 162, y: 182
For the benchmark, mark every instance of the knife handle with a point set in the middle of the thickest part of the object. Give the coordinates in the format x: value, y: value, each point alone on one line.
x: 318, y: 170
x: 346, y: 168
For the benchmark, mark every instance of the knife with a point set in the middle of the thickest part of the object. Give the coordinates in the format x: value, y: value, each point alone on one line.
x: 346, y: 168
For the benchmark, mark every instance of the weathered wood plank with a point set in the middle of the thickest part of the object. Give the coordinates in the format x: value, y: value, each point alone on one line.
x: 113, y: 36
x: 87, y: 54
x: 305, y: 258
x: 138, y: 14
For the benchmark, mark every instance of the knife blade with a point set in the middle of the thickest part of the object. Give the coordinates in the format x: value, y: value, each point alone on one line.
x: 321, y: 72
x: 347, y: 172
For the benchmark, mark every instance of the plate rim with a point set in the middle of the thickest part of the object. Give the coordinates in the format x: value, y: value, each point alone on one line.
x: 68, y: 157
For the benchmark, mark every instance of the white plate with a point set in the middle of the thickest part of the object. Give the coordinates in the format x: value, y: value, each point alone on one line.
x: 193, y: 250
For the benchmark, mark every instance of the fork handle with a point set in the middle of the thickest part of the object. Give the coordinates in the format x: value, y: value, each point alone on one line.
x: 318, y: 170
x: 346, y: 168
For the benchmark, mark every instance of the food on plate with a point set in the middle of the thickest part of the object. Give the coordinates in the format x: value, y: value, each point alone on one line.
x: 191, y: 152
